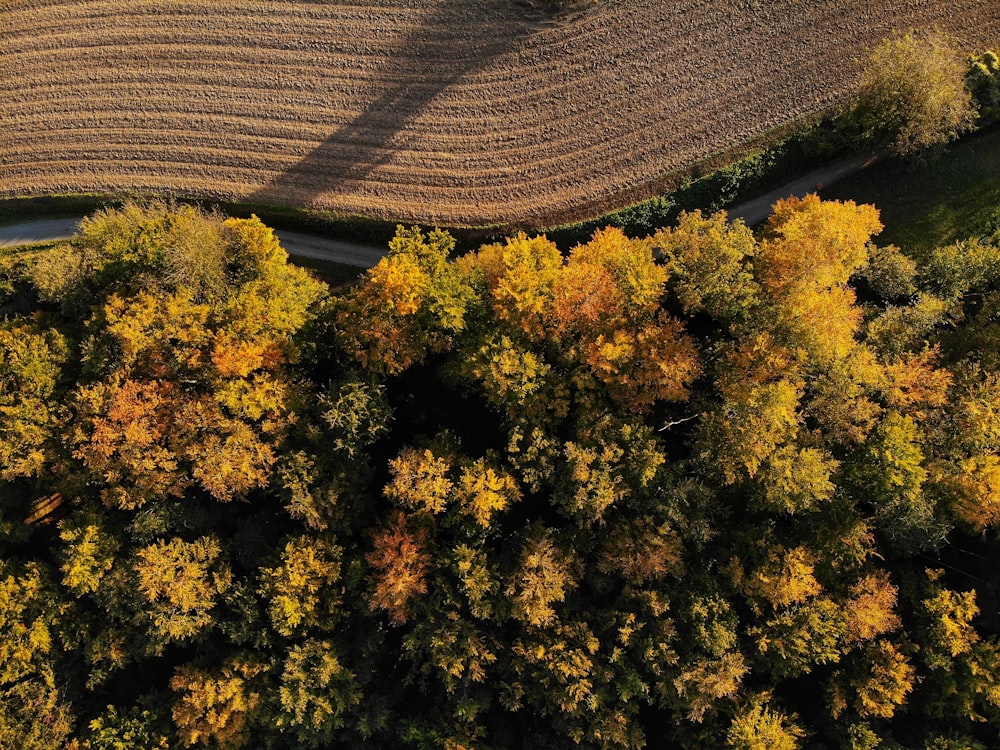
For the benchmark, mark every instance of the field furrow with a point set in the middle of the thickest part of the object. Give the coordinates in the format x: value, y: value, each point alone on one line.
x: 448, y: 111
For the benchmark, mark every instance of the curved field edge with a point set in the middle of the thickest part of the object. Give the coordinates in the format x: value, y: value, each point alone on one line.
x: 769, y: 160
x: 472, y: 113
x: 712, y: 184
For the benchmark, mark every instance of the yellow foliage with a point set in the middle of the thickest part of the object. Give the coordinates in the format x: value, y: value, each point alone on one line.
x: 750, y: 425
x: 420, y: 481
x: 814, y: 243
x: 759, y: 727
x: 477, y: 580
x: 26, y: 630
x: 30, y: 363
x: 257, y: 243
x: 235, y: 358
x: 399, y: 284
x: 89, y: 553
x: 656, y: 361
x: 787, y: 577
x: 913, y: 381
x: 706, y: 256
x: 543, y: 577
x: 316, y: 691
x: 483, y: 491
x: 914, y: 92
x: 180, y: 581
x: 883, y: 687
x: 977, y: 490
x: 977, y: 413
x: 523, y: 290
x: 596, y: 484
x: 839, y: 397
x: 637, y: 277
x: 798, y: 479
x: 950, y: 616
x: 870, y: 611
x: 562, y: 663
x: 509, y: 372
x: 230, y: 463
x: 215, y: 709
x: 822, y: 322
x: 704, y: 684
x: 811, y: 248
x: 154, y: 331
x: 300, y: 591
x: 261, y: 397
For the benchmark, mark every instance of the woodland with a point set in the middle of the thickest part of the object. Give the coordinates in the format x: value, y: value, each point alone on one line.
x: 706, y: 488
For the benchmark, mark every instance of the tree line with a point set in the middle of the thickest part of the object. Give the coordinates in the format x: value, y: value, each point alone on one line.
x: 705, y: 488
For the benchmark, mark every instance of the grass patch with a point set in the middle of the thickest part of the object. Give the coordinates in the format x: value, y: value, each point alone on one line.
x: 932, y: 202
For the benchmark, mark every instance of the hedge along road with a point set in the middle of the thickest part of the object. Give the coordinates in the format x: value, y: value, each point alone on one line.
x: 297, y: 244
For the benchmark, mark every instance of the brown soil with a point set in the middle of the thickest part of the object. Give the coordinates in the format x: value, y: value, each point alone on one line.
x: 454, y: 112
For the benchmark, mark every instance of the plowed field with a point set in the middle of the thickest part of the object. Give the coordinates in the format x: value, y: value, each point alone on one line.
x: 440, y: 111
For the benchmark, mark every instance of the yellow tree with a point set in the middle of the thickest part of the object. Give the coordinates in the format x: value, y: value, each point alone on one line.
x: 30, y: 367
x: 316, y: 694
x: 180, y: 584
x: 544, y: 575
x: 708, y: 260
x: 412, y: 301
x: 810, y: 248
x: 33, y: 712
x: 878, y: 683
x: 913, y: 93
x: 758, y: 726
x: 302, y: 590
x: 189, y: 383
x: 217, y: 708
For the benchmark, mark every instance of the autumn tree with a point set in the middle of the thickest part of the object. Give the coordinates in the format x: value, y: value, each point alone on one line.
x: 678, y: 490
x: 217, y: 708
x: 913, y: 93
x: 316, y: 694
x: 181, y: 582
x: 31, y: 360
x: 34, y: 711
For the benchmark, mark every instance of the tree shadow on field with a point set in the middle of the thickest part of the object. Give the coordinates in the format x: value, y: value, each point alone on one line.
x: 455, y: 39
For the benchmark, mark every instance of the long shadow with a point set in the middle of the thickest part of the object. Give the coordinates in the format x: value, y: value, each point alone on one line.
x: 452, y: 42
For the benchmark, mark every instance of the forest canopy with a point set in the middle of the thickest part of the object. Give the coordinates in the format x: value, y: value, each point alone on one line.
x: 706, y: 488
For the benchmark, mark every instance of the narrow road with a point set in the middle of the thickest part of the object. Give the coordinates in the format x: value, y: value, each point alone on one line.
x: 297, y: 244
x: 756, y: 211
x: 49, y: 230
